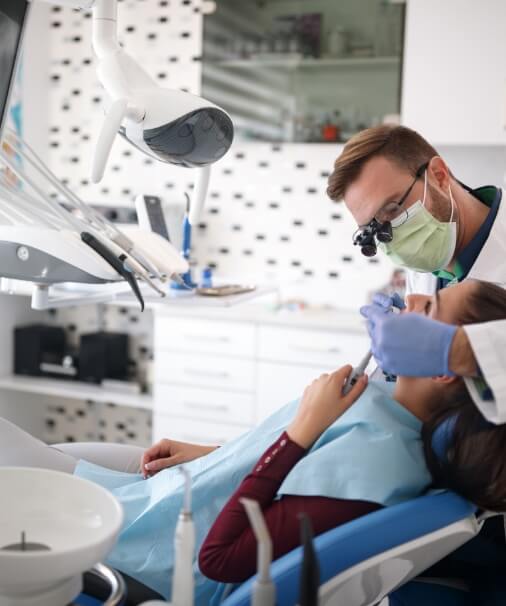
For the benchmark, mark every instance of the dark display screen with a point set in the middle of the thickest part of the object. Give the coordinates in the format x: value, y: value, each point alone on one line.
x: 12, y: 17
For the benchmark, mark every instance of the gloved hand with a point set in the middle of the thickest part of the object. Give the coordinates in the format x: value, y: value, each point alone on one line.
x: 389, y: 301
x: 408, y: 344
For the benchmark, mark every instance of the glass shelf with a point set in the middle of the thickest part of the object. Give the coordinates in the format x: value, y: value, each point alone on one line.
x: 290, y: 72
x: 308, y: 63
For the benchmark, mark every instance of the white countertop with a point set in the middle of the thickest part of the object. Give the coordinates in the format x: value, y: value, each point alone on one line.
x: 258, y: 306
x: 320, y: 319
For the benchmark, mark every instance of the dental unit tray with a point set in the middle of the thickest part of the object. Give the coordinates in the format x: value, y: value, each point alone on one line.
x: 57, y: 238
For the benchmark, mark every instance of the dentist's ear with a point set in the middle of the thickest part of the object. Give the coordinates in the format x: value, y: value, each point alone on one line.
x: 440, y: 173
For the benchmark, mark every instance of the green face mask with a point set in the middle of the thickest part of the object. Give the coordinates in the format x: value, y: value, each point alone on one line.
x: 421, y: 242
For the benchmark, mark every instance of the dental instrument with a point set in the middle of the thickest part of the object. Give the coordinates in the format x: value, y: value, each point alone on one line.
x: 310, y: 570
x: 357, y: 372
x: 183, y: 581
x: 385, y: 303
x: 39, y: 251
x: 263, y: 592
x: 187, y: 278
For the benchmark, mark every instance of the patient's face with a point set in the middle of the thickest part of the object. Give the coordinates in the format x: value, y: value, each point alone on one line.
x: 444, y: 306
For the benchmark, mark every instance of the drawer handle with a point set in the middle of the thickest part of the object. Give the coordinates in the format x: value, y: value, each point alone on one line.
x: 208, y: 339
x: 199, y: 406
x: 305, y: 349
x: 206, y: 373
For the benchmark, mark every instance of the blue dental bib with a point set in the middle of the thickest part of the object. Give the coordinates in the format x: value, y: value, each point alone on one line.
x: 373, y: 452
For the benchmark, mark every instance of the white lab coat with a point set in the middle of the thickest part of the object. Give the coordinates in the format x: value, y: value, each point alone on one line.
x: 489, y: 346
x: 488, y: 340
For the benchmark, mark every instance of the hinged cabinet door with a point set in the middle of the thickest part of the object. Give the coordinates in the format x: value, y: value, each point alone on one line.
x: 454, y: 74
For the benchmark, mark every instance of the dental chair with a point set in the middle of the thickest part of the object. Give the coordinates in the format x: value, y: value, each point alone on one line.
x: 378, y: 558
x: 369, y: 558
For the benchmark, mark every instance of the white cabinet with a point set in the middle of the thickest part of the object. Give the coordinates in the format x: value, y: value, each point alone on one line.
x: 215, y: 379
x: 214, y: 405
x: 325, y: 348
x: 205, y: 336
x: 280, y: 383
x: 454, y: 74
x: 205, y: 370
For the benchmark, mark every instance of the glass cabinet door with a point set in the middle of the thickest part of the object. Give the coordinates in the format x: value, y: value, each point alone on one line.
x: 304, y: 70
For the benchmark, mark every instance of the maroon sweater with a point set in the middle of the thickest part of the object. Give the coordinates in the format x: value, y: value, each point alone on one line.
x: 228, y: 553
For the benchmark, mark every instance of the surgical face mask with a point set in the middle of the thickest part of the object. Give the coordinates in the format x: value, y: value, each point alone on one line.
x: 420, y: 241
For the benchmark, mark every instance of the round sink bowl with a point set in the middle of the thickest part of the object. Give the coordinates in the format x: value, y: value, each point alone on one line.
x: 53, y: 526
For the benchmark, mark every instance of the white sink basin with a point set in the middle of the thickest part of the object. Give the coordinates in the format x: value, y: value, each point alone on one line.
x: 77, y: 520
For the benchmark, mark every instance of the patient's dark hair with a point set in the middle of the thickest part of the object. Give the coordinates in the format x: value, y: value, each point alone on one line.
x: 473, y: 463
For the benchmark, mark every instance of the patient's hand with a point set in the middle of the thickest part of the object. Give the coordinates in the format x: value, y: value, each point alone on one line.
x: 323, y: 403
x: 167, y: 453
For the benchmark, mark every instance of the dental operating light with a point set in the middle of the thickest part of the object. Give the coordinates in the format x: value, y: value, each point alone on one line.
x: 168, y: 125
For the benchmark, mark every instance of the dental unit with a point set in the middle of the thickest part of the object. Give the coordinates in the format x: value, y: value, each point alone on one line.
x: 184, y: 548
x: 357, y: 372
x: 310, y: 571
x: 263, y: 592
x: 51, y: 239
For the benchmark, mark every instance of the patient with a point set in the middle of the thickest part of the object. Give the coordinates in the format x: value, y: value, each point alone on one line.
x: 335, y: 457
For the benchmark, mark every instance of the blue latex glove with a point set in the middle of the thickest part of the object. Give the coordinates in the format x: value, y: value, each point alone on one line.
x: 408, y: 344
x: 389, y: 301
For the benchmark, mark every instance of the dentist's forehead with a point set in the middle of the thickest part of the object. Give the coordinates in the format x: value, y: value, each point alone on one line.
x: 380, y: 181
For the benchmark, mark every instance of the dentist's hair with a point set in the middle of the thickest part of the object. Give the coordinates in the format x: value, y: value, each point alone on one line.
x: 472, y: 461
x: 400, y: 144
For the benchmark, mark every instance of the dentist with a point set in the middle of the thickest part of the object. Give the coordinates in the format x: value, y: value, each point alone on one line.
x: 404, y: 196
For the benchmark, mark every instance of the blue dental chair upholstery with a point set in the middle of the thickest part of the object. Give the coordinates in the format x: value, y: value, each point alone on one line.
x: 367, y: 559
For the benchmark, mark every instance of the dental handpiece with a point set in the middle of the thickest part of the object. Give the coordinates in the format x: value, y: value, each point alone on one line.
x: 357, y: 372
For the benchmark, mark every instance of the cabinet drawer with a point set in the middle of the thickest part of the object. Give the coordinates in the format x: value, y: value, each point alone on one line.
x: 200, y: 370
x: 205, y: 336
x: 187, y: 430
x: 205, y: 404
x: 312, y: 347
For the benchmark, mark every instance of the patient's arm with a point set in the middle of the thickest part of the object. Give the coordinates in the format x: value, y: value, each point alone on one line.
x: 167, y: 453
x: 229, y: 552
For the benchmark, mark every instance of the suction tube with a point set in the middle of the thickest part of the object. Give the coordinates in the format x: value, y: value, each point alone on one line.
x: 183, y: 581
x: 264, y: 591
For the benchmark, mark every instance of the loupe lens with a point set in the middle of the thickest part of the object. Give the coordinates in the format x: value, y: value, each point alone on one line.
x: 384, y: 232
x: 369, y: 250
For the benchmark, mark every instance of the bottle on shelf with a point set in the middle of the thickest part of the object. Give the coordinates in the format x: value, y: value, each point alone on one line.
x: 330, y: 129
x: 337, y: 42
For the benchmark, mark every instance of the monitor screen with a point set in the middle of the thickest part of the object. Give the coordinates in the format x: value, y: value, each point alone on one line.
x: 13, y: 14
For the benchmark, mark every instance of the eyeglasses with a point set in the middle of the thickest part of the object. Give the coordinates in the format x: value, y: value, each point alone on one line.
x: 380, y: 227
x: 392, y: 211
